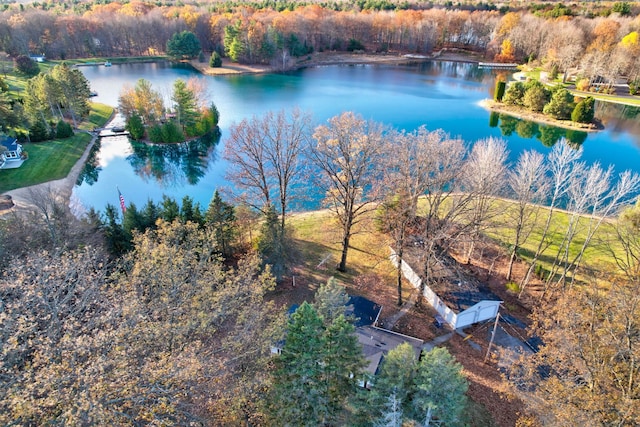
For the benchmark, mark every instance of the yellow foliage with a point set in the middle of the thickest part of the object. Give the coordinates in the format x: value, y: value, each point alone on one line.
x: 630, y: 41
x: 508, y: 22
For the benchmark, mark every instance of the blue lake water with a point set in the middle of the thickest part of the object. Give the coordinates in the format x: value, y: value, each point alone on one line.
x: 435, y: 94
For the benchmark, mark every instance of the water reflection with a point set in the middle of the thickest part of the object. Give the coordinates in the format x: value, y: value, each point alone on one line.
x: 92, y: 168
x: 174, y: 164
x: 167, y: 164
x: 548, y: 135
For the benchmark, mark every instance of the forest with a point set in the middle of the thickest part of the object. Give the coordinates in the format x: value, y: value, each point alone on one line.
x: 596, y: 38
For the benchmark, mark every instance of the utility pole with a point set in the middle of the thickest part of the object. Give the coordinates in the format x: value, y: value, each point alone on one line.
x: 493, y: 335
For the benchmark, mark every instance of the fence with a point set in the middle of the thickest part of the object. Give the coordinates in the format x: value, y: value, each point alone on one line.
x: 483, y: 310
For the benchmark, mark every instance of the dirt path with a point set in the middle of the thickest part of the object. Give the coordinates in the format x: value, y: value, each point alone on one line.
x: 62, y: 187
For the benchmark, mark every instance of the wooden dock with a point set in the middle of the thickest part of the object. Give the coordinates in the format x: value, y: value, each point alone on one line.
x: 506, y: 66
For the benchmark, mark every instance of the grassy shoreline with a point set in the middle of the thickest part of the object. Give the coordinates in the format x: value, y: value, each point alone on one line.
x: 51, y: 160
x: 522, y: 113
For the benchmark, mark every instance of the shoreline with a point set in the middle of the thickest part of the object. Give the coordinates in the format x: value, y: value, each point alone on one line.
x: 539, y: 118
x: 62, y: 188
x: 332, y: 58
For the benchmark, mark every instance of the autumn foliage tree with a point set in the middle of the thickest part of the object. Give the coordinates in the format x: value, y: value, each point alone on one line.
x: 346, y: 153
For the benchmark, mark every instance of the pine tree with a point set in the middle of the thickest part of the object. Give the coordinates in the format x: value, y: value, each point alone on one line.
x: 221, y: 217
x: 440, y: 389
x: 331, y: 300
x: 298, y: 397
x: 561, y: 105
x: 584, y: 111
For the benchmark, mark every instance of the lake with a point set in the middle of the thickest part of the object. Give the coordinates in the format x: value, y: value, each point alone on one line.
x: 435, y: 94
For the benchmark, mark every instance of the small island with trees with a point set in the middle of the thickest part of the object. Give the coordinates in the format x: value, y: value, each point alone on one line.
x: 147, y: 117
x: 533, y: 100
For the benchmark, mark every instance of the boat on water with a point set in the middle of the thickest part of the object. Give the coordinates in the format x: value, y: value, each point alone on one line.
x: 107, y: 64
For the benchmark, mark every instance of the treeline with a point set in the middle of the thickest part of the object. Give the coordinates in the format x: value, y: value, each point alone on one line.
x: 602, y: 44
x: 46, y: 106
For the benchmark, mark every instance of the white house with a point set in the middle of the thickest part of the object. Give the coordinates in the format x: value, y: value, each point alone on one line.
x: 11, y: 154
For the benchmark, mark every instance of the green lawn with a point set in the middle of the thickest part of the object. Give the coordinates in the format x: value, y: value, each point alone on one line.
x: 47, y: 161
x: 51, y: 160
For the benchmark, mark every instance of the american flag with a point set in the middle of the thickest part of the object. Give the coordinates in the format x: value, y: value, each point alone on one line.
x: 122, y: 205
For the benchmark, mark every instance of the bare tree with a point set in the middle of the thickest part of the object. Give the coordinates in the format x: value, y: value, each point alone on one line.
x: 348, y: 153
x: 265, y: 158
x: 561, y: 163
x: 528, y: 187
x: 408, y: 165
x: 483, y: 178
x: 444, y: 203
x: 603, y: 200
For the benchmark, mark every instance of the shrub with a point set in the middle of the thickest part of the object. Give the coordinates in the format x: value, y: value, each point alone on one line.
x: 63, y: 130
x: 155, y: 133
x: 514, y: 94
x: 536, y: 97
x: 513, y: 287
x: 39, y: 131
x: 354, y: 45
x: 215, y: 60
x: 171, y: 133
x: 560, y: 106
x: 582, y: 84
x: 584, y: 111
x: 553, y: 73
x: 634, y: 87
x: 27, y: 66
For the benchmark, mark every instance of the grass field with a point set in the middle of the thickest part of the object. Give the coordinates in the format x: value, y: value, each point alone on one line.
x: 319, y: 243
x: 51, y: 160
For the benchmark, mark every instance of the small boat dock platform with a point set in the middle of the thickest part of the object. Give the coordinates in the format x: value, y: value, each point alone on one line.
x: 499, y: 65
x: 112, y: 131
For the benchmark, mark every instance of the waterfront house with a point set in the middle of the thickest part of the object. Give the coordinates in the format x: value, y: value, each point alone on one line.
x: 11, y: 154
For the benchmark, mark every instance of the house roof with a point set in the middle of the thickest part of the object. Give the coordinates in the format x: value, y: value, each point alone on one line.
x: 363, y: 310
x: 9, y: 143
x: 377, y: 342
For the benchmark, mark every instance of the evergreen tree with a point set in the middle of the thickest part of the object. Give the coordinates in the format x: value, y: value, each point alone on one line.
x: 440, y: 389
x: 514, y: 94
x: 169, y: 210
x: 396, y: 377
x: 317, y: 370
x: 185, y: 104
x: 536, y: 96
x: 63, y: 130
x: 298, y: 390
x: 39, y: 130
x: 215, y: 60
x: 183, y: 45
x: 221, y: 218
x: 499, y: 91
x: 331, y: 300
x: 190, y: 211
x: 233, y: 46
x: 117, y: 241
x: 584, y: 111
x: 342, y: 365
x: 135, y: 126
x: 271, y: 245
x: 132, y: 220
x: 561, y: 105
x: 74, y: 90
x: 149, y: 215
